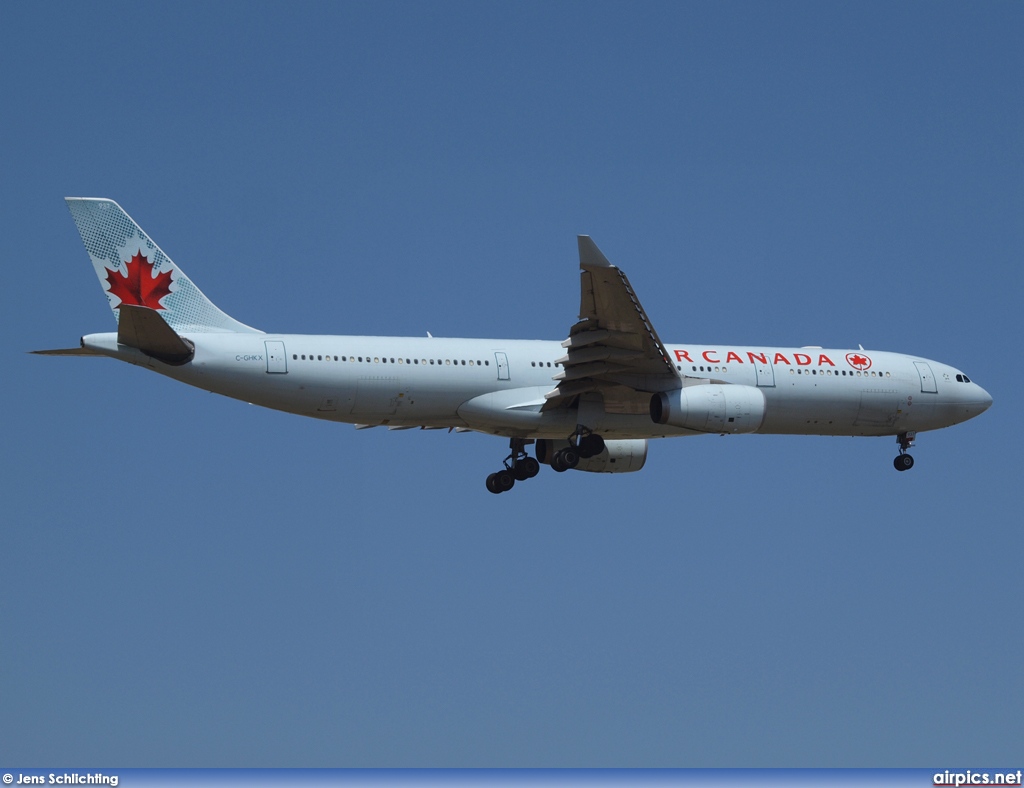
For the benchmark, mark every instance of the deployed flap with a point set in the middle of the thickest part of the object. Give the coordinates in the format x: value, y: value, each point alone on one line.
x: 144, y: 329
x: 613, y: 349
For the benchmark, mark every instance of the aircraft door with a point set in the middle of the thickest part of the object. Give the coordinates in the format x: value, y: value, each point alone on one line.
x: 277, y: 360
x: 927, y: 378
x: 502, y: 361
x: 765, y: 373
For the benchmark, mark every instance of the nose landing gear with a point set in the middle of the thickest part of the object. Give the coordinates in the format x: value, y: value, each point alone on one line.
x: 904, y: 462
x: 518, y: 468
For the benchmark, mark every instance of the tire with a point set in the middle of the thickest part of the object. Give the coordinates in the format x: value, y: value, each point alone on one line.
x: 530, y: 467
x: 570, y: 457
x: 557, y: 463
x: 591, y: 446
x: 903, y: 462
x: 504, y: 480
x: 492, y: 485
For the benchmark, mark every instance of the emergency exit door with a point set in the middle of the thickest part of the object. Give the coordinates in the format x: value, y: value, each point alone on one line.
x: 277, y: 361
x: 502, y: 361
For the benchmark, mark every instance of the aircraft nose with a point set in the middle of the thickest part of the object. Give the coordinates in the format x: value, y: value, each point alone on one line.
x: 984, y: 400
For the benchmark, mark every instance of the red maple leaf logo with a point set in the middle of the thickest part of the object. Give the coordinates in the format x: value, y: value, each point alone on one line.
x: 139, y: 286
x: 857, y: 361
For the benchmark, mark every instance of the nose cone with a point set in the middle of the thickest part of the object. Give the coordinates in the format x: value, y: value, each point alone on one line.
x: 983, y: 401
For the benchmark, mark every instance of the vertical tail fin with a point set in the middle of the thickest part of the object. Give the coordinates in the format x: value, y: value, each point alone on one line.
x: 133, y: 270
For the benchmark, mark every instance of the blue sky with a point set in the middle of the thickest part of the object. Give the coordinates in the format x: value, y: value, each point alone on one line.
x: 191, y: 581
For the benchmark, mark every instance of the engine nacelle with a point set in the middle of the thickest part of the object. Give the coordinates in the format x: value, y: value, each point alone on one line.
x: 618, y: 456
x: 711, y: 407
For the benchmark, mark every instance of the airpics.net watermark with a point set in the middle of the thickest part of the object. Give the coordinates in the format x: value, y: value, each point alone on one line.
x: 976, y: 778
x: 62, y: 779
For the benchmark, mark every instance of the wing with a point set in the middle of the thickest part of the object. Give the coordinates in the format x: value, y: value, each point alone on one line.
x: 613, y: 349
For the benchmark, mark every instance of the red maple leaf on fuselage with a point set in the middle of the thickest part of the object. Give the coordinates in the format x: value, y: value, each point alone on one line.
x: 139, y: 286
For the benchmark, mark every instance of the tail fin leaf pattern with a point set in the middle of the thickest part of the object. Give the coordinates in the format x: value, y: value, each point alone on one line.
x: 134, y: 271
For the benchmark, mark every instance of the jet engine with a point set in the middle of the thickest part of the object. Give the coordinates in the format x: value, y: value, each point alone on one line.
x: 618, y: 456
x: 712, y: 407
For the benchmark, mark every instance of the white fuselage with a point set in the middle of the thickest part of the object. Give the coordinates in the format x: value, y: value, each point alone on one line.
x: 498, y: 386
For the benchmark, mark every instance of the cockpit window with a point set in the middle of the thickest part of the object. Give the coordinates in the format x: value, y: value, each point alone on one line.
x: 962, y: 379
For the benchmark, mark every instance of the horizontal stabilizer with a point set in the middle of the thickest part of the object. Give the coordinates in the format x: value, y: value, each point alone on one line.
x: 71, y: 351
x: 144, y: 329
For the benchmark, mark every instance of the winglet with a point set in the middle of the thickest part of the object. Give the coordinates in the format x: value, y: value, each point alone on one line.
x: 590, y: 255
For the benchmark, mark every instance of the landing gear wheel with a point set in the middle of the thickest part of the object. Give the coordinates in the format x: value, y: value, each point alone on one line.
x: 491, y: 484
x: 569, y: 458
x: 558, y: 464
x: 591, y: 445
x: 903, y: 462
x: 504, y: 480
x: 528, y: 467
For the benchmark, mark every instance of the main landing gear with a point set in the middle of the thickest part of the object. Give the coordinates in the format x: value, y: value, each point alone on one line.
x: 518, y: 468
x: 582, y: 444
x: 904, y: 462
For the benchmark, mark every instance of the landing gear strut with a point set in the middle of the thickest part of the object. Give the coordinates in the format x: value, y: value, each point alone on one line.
x: 904, y: 462
x: 518, y: 468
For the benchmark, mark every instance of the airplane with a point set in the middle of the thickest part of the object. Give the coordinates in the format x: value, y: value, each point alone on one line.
x: 591, y: 402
